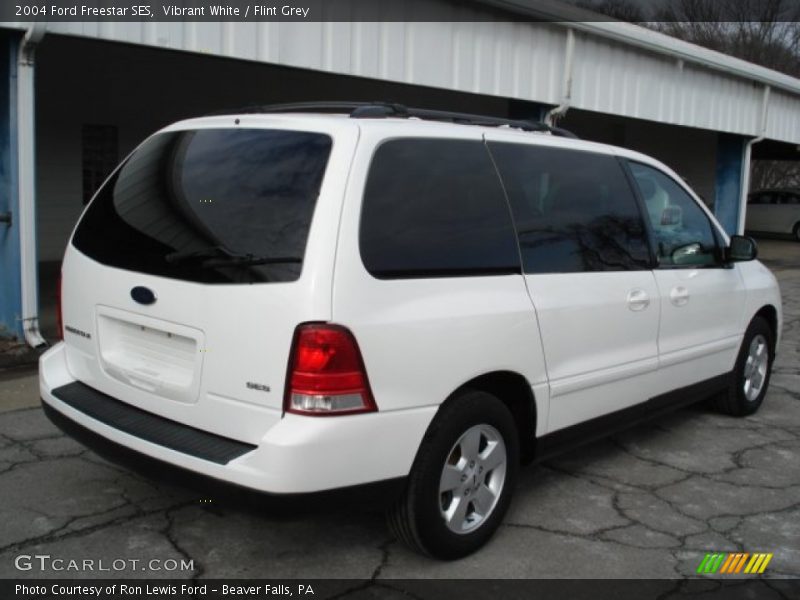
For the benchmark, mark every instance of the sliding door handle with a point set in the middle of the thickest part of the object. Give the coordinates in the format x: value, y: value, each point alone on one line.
x: 679, y: 296
x: 638, y: 300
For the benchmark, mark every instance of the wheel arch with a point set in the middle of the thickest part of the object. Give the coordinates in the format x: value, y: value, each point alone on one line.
x: 770, y: 314
x: 513, y: 390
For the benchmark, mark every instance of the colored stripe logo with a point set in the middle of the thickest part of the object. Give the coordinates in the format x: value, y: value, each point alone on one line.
x: 734, y: 563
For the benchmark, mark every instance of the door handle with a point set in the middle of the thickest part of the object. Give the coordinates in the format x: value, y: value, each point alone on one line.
x: 679, y: 296
x: 638, y: 300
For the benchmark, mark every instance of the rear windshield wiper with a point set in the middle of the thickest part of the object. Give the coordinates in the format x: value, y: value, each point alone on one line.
x: 248, y: 260
x: 215, y: 256
x: 219, y: 256
x: 209, y: 252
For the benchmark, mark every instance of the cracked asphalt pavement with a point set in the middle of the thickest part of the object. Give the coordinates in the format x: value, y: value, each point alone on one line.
x: 646, y: 503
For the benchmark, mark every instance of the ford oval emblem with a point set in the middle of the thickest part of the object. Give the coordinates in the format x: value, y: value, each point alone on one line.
x: 143, y: 295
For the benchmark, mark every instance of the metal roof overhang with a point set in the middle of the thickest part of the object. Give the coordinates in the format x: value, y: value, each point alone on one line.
x: 608, y: 67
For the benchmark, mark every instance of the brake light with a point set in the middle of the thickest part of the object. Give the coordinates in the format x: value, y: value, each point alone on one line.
x: 326, y: 373
x: 59, y: 317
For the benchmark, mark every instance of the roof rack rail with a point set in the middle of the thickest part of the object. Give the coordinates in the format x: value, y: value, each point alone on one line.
x: 380, y: 110
x: 327, y: 107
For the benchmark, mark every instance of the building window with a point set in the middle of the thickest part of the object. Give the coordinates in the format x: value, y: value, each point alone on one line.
x: 100, y: 150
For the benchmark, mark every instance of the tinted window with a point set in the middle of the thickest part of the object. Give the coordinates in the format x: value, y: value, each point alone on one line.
x: 213, y: 206
x: 683, y: 232
x: 574, y: 211
x: 435, y: 208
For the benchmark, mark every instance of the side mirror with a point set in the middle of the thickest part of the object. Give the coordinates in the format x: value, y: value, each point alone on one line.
x: 742, y: 248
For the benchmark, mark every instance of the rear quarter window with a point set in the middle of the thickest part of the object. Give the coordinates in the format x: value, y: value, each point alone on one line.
x: 435, y: 208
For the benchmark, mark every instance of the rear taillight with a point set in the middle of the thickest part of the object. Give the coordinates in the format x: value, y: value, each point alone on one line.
x: 326, y: 373
x: 59, y: 317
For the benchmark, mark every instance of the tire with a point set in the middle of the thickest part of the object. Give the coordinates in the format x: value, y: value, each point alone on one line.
x: 796, y: 232
x: 750, y: 378
x: 428, y: 519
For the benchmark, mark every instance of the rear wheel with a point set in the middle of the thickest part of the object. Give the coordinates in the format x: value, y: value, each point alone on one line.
x: 463, y: 476
x: 750, y: 377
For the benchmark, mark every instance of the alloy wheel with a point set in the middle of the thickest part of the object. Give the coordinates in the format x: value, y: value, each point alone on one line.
x: 472, y: 478
x: 755, y: 367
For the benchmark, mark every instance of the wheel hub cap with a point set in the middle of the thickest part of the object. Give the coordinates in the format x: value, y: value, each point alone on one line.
x: 755, y: 368
x: 472, y: 478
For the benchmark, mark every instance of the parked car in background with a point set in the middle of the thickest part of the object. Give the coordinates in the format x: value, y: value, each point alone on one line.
x: 774, y: 211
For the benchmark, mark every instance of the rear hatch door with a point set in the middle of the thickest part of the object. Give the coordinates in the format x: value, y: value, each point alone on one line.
x: 194, y: 263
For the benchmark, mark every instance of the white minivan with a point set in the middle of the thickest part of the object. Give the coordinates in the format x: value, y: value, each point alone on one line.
x: 774, y: 211
x: 306, y: 298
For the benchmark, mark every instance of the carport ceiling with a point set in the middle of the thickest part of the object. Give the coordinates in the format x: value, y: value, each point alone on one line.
x: 772, y: 150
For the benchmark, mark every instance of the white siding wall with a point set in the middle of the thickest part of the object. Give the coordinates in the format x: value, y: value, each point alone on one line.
x: 623, y: 80
x: 497, y: 58
x: 783, y: 118
x: 514, y: 60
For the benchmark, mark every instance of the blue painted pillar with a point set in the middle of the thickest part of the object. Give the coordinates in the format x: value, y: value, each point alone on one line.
x: 10, y: 272
x: 730, y: 175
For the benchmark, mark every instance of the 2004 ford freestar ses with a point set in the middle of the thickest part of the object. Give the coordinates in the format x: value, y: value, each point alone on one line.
x: 297, y: 300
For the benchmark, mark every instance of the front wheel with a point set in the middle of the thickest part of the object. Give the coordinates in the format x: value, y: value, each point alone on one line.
x: 750, y: 377
x: 463, y: 476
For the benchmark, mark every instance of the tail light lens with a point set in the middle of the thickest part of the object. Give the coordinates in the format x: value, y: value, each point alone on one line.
x: 59, y: 317
x: 326, y: 373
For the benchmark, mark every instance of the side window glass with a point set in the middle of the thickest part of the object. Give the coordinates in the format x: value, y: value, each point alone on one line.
x: 435, y: 208
x: 574, y: 211
x: 792, y: 199
x: 683, y: 232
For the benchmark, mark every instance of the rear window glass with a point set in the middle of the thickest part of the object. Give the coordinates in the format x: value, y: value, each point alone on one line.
x: 435, y: 208
x: 210, y: 206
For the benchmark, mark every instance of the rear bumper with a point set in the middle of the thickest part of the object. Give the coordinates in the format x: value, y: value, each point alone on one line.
x: 297, y: 455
